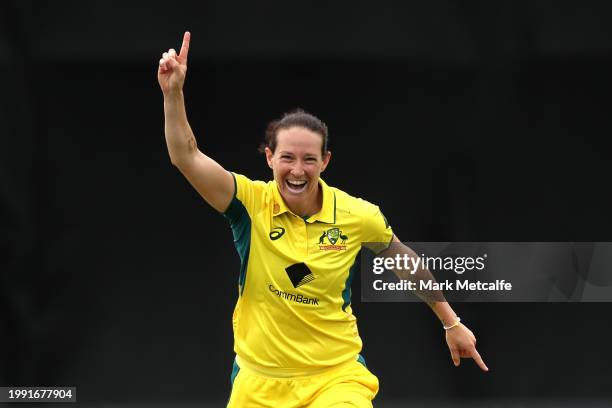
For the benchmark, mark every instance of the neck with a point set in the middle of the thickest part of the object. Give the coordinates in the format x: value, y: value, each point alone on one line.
x: 310, y: 206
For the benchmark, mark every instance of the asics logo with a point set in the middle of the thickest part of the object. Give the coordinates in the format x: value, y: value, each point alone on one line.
x: 276, y: 233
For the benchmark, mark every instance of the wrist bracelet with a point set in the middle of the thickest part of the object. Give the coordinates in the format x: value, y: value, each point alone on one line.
x: 453, y: 325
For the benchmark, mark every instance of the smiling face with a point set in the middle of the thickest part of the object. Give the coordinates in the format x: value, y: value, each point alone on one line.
x: 297, y: 163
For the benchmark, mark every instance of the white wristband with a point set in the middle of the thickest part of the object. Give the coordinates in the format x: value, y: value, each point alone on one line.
x: 453, y: 325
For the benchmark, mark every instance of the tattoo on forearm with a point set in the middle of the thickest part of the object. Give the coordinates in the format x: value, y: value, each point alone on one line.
x: 429, y: 296
x: 192, y: 143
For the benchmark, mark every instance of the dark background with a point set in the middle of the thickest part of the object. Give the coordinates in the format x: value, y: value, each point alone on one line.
x: 463, y: 121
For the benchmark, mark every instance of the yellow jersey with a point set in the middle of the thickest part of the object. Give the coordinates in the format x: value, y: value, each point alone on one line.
x: 294, y: 288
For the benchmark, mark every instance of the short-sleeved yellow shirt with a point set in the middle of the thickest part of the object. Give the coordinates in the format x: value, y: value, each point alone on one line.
x: 294, y: 305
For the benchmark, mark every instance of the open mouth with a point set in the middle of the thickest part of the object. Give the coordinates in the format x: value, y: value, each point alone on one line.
x: 296, y: 186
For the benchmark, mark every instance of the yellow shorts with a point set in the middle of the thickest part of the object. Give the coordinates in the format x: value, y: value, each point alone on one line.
x: 348, y: 384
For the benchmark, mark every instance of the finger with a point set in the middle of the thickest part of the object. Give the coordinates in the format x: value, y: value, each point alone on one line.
x: 456, y: 357
x: 185, y: 47
x: 172, y: 53
x: 171, y: 63
x: 479, y: 361
x: 165, y: 55
x: 162, y: 65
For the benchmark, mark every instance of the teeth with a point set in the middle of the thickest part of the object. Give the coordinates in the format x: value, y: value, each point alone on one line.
x: 297, y: 183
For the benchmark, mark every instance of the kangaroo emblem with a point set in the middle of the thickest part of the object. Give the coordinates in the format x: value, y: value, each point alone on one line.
x: 322, y: 238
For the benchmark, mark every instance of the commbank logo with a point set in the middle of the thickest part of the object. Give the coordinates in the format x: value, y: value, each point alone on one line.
x: 299, y: 274
x: 294, y: 297
x: 276, y: 233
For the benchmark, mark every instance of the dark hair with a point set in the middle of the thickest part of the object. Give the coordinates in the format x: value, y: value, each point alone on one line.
x: 294, y: 118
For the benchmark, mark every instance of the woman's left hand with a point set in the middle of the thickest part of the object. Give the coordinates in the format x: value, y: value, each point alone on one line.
x: 462, y: 344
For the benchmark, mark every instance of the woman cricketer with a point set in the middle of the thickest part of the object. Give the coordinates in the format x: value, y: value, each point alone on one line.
x: 295, y: 336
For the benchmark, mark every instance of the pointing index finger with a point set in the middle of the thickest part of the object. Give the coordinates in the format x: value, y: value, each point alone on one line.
x: 185, y: 47
x: 479, y: 361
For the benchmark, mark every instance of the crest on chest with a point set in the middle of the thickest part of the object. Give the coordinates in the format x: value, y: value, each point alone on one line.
x: 333, y: 240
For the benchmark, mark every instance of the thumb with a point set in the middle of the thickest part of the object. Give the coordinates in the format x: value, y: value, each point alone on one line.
x: 456, y: 357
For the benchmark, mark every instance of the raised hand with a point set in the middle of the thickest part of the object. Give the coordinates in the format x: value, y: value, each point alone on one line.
x: 173, y: 68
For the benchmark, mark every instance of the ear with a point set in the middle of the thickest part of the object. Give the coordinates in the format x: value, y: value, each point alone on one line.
x: 269, y: 155
x: 326, y: 160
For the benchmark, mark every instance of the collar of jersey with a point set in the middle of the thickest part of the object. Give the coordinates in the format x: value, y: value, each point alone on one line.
x: 328, y: 209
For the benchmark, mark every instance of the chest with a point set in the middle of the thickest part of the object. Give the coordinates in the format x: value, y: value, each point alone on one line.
x: 328, y: 250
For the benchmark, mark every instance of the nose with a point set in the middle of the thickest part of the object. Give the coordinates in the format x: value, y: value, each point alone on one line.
x: 297, y: 170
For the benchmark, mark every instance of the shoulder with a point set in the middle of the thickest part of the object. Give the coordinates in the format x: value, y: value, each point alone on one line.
x: 245, y: 187
x: 354, y: 205
x: 374, y: 226
x: 252, y: 194
x: 244, y: 181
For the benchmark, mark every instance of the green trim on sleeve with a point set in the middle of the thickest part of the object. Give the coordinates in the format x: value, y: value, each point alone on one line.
x: 240, y: 223
x: 236, y: 369
x: 347, y: 292
x: 361, y: 360
x: 384, y: 248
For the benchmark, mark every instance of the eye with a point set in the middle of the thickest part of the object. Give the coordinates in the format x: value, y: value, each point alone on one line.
x: 311, y: 159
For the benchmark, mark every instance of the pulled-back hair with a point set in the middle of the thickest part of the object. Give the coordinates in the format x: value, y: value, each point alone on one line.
x: 294, y: 118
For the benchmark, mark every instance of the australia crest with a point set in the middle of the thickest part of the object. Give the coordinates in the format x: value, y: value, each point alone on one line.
x: 333, y: 240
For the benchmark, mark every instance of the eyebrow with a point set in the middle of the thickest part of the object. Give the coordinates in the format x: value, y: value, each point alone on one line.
x: 307, y: 155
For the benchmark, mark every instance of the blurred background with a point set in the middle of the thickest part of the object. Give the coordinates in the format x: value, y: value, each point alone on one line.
x: 463, y: 121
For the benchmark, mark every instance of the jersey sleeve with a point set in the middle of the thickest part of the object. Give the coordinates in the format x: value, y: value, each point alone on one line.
x: 249, y: 198
x: 376, y: 228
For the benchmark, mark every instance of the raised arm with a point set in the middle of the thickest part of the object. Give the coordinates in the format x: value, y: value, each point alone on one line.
x: 212, y: 181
